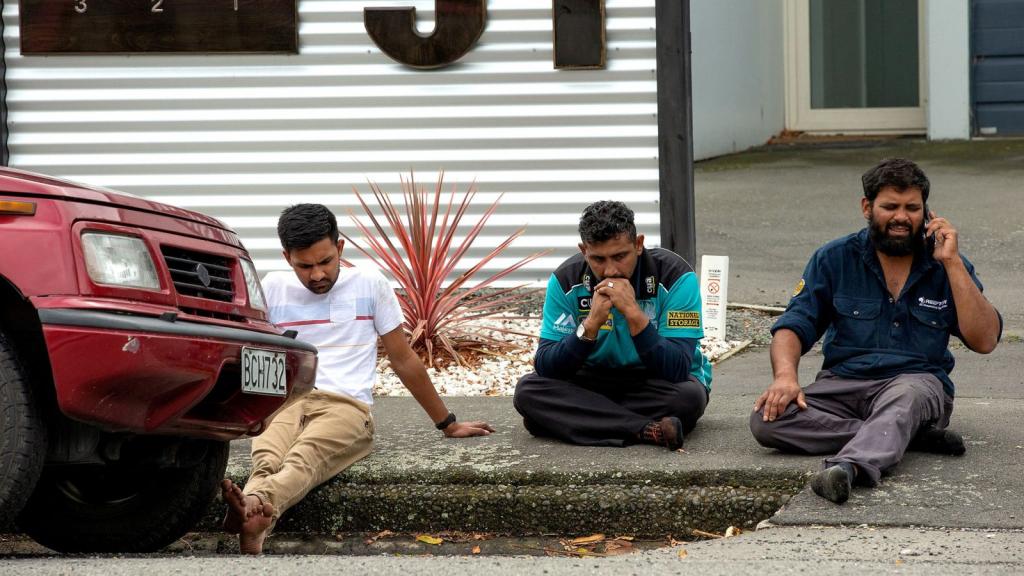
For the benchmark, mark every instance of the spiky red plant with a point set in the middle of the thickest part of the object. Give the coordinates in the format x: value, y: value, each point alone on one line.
x: 418, y: 249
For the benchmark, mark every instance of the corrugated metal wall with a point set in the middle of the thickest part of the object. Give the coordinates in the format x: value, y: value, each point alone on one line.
x: 239, y: 137
x: 997, y: 38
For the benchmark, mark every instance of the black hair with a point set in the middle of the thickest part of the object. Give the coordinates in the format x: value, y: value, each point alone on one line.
x: 897, y: 172
x: 302, y: 225
x: 605, y: 220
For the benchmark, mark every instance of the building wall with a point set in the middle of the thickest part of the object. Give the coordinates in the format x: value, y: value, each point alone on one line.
x: 738, y: 76
x: 240, y: 137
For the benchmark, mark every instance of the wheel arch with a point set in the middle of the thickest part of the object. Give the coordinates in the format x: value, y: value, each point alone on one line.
x: 19, y: 321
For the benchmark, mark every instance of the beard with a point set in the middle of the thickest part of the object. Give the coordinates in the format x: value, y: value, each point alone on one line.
x: 894, y: 246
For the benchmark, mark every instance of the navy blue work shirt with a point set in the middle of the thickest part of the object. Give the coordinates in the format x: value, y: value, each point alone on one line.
x: 868, y: 333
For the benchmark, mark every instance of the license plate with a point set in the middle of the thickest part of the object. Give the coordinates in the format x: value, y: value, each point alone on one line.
x: 263, y: 372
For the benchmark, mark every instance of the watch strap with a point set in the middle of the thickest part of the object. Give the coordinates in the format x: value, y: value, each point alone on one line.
x: 448, y: 421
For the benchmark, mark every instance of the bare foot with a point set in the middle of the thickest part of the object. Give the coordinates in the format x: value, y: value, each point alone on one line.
x: 256, y: 527
x: 237, y: 506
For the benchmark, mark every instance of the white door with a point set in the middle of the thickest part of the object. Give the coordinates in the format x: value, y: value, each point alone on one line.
x: 855, y: 66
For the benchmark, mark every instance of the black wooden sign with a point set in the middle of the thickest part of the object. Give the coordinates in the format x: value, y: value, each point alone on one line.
x: 146, y: 26
x: 579, y: 33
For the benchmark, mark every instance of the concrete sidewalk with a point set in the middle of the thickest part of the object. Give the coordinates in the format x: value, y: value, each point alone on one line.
x: 513, y: 483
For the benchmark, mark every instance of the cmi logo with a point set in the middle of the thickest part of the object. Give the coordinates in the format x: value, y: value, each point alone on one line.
x: 677, y: 319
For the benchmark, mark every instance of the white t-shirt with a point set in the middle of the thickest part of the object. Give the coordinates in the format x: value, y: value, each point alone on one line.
x: 343, y: 324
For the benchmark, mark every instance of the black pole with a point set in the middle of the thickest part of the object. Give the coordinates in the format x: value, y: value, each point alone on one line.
x: 5, y: 154
x: 675, y: 128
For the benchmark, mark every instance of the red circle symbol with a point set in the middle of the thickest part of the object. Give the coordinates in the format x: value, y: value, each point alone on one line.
x: 713, y: 287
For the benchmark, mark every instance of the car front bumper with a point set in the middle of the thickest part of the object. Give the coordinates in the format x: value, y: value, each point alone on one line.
x: 152, y: 375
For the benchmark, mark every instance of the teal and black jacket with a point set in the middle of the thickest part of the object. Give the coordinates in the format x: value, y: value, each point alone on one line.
x: 668, y: 348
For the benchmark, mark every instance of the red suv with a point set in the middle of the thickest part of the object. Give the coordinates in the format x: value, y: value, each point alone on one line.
x: 134, y: 344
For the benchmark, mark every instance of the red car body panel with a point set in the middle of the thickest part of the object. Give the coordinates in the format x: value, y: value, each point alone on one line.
x: 164, y: 361
x: 146, y: 382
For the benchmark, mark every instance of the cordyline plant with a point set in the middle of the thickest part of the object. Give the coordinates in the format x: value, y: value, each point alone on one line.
x: 418, y: 249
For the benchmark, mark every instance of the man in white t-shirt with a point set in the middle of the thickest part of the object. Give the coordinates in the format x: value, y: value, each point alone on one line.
x: 342, y: 311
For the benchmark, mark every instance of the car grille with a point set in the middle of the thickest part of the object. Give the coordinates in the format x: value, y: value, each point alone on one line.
x: 199, y: 274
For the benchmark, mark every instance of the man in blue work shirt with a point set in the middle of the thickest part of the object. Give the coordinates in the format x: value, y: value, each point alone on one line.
x: 887, y: 300
x: 619, y: 358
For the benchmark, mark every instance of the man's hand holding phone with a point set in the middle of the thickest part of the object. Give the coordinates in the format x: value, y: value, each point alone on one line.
x: 943, y: 238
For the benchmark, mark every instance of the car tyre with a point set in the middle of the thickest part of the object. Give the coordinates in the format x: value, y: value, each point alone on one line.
x: 122, y: 507
x: 22, y: 435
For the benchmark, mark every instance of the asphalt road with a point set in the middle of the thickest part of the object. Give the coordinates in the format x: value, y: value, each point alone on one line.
x: 802, y: 550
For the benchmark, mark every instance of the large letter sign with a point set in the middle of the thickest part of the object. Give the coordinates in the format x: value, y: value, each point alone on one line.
x: 458, y: 25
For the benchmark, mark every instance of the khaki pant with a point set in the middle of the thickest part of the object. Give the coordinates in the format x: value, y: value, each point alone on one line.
x: 307, y: 444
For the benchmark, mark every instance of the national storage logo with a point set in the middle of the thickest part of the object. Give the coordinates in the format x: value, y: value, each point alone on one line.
x: 683, y: 319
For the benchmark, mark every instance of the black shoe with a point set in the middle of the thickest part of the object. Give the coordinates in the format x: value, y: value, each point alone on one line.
x: 834, y: 483
x: 667, y: 432
x: 938, y: 441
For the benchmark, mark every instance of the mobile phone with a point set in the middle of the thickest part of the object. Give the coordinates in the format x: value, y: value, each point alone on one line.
x: 929, y: 239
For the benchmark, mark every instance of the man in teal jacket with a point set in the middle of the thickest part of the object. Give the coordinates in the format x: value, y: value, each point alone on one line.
x: 619, y: 359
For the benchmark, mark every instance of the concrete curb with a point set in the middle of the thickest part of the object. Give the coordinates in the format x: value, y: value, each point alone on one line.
x: 511, y: 483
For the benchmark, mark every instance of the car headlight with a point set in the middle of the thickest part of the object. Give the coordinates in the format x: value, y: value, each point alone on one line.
x: 119, y: 260
x: 252, y: 284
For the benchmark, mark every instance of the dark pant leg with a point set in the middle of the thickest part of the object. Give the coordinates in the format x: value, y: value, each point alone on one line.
x: 898, y: 408
x: 574, y: 412
x: 657, y: 399
x: 832, y: 418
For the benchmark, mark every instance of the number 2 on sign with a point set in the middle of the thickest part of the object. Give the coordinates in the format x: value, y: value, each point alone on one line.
x: 81, y: 6
x: 156, y: 6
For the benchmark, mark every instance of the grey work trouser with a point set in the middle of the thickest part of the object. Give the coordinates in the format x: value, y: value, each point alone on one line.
x: 865, y: 422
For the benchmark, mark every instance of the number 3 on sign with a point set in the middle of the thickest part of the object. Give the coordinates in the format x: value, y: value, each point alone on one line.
x: 157, y: 6
x: 81, y: 6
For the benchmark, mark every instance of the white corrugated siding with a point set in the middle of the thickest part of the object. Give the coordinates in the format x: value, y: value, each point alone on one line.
x: 240, y: 137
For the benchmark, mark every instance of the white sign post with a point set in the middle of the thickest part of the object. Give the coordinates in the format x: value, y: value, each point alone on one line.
x: 714, y: 293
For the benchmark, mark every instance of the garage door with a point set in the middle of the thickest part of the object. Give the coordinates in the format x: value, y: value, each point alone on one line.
x: 997, y: 38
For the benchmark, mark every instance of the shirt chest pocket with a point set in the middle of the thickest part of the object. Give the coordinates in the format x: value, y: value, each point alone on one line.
x: 856, y: 322
x: 931, y: 330
x: 343, y: 311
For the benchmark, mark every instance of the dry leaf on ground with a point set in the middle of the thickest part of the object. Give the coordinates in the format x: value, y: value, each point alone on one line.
x: 683, y: 553
x: 732, y: 531
x: 428, y: 539
x: 587, y: 539
x: 377, y: 536
x: 617, y: 547
x: 476, y: 549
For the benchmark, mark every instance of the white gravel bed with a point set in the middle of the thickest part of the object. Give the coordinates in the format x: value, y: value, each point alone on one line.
x: 497, y: 376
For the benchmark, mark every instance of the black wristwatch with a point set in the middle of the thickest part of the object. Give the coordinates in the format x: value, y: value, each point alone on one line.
x: 448, y: 421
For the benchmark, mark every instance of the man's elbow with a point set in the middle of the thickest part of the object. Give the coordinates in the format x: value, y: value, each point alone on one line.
x: 543, y: 369
x: 985, y: 344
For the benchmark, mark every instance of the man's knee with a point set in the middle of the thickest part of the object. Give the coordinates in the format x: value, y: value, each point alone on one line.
x: 771, y: 434
x: 687, y: 402
x: 764, y: 432
x: 526, y: 390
